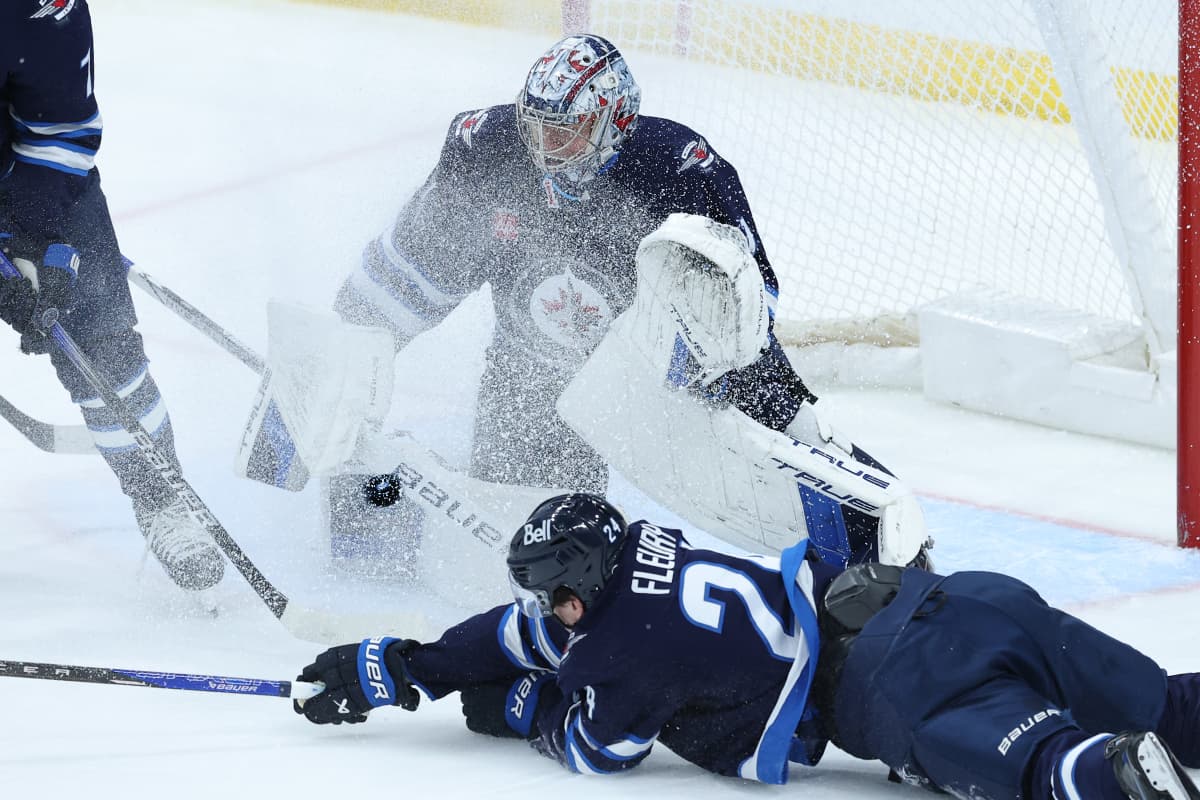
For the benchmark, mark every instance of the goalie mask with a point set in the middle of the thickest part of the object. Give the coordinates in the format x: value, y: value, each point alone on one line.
x: 571, y: 541
x: 578, y: 106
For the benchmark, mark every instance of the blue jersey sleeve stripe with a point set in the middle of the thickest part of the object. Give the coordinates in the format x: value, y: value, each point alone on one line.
x: 508, y: 632
x: 539, y: 634
x: 55, y: 143
x: 92, y: 126
x: 433, y: 293
x: 54, y: 165
x: 577, y: 758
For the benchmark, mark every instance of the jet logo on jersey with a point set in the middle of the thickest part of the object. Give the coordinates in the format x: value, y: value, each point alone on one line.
x: 696, y: 153
x: 567, y: 310
x: 539, y: 534
x: 469, y: 124
x: 53, y: 8
x: 505, y: 225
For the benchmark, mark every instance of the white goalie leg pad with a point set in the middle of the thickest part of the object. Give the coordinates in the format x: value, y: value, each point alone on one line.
x: 329, y: 381
x: 902, y: 530
x: 703, y: 272
x: 715, y: 467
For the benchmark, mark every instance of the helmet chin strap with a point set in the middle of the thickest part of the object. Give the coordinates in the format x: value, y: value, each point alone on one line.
x: 554, y: 190
x: 554, y: 185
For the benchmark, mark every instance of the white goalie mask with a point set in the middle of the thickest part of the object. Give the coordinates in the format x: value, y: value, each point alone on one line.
x: 704, y: 273
x: 578, y: 106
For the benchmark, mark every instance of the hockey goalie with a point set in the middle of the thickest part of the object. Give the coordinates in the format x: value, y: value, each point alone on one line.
x: 633, y: 301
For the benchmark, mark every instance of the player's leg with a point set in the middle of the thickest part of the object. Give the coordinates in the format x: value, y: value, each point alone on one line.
x: 102, y: 324
x: 1116, y: 697
x: 519, y: 438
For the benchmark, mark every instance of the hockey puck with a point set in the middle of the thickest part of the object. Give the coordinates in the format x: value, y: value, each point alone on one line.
x: 381, y: 490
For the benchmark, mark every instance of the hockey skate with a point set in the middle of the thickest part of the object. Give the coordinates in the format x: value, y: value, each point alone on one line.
x: 185, y: 550
x: 1146, y: 768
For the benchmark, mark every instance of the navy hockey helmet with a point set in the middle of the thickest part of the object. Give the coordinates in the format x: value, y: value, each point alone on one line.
x: 578, y: 106
x: 572, y: 541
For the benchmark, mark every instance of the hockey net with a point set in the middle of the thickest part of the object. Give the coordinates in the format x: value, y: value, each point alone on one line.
x: 900, y: 153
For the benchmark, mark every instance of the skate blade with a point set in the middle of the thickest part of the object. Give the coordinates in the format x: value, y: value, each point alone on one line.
x: 1162, y: 772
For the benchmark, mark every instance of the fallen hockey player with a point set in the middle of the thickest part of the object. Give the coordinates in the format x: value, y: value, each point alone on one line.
x: 621, y: 636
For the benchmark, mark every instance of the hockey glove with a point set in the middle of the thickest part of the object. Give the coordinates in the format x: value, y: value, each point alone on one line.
x: 25, y: 298
x: 56, y: 279
x: 18, y: 298
x: 358, y: 678
x: 508, y: 710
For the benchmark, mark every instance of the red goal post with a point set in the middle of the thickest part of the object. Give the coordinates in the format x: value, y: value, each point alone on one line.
x: 1189, y: 274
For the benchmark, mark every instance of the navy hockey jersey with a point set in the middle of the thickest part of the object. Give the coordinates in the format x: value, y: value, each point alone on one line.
x: 560, y: 266
x: 708, y: 653
x: 50, y: 125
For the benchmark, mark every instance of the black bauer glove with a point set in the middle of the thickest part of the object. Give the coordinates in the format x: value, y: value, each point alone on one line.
x: 18, y: 298
x: 358, y: 678
x: 508, y: 710
x: 22, y: 305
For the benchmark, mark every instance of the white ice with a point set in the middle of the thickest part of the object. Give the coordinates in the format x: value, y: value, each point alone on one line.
x: 251, y: 149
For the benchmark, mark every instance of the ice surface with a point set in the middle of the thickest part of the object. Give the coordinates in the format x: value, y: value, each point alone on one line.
x: 251, y: 149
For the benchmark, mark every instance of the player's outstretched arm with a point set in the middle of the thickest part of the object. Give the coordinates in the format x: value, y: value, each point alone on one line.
x: 359, y: 678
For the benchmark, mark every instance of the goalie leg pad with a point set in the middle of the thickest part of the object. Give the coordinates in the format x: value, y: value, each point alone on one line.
x: 268, y: 453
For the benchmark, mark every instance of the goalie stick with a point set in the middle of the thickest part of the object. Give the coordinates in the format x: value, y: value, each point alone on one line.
x: 297, y: 690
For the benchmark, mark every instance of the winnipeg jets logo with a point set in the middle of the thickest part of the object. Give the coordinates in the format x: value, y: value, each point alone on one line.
x: 573, y: 310
x: 55, y: 8
x: 696, y: 153
x: 470, y: 123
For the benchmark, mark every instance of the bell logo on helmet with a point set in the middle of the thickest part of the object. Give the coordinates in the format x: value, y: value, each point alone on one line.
x: 539, y: 534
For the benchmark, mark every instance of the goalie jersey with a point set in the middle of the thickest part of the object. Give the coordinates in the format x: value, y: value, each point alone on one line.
x: 560, y: 264
x: 706, y: 652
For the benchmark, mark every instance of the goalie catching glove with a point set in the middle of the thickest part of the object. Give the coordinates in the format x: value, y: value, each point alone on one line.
x: 703, y: 272
x: 358, y: 678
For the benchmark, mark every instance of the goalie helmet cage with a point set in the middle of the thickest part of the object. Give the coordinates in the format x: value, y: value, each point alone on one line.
x: 901, y: 153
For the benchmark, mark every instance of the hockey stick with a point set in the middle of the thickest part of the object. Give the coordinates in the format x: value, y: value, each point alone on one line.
x: 68, y: 439
x: 196, y: 318
x: 301, y: 622
x: 298, y: 690
x: 75, y: 439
